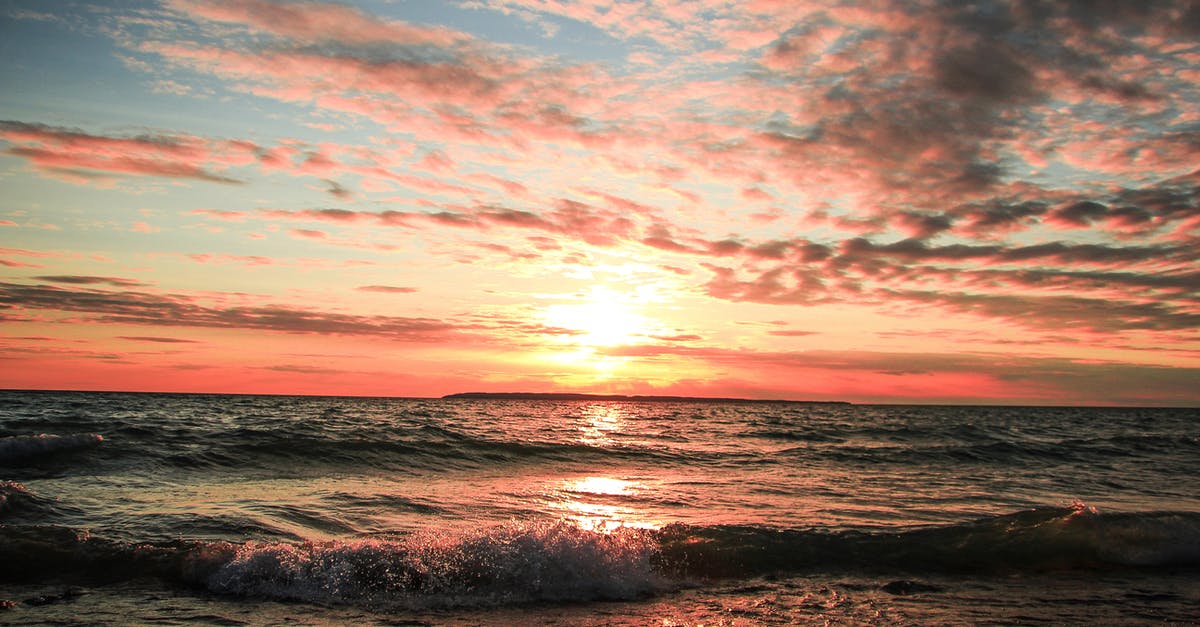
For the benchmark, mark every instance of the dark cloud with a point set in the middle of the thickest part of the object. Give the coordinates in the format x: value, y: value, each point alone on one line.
x: 1079, y: 214
x: 128, y: 307
x: 1186, y: 283
x: 929, y: 106
x: 1058, y: 312
x: 1063, y: 252
x: 322, y: 215
x: 924, y: 225
x: 986, y: 71
x: 336, y: 190
x: 1050, y: 285
x: 75, y: 279
x: 997, y: 217
x: 1041, y: 379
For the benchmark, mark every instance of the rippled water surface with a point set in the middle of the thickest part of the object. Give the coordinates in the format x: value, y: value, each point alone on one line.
x: 579, y: 512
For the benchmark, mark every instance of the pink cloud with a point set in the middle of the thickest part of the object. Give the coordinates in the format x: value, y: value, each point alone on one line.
x: 18, y: 264
x: 315, y: 21
x: 387, y: 289
x: 232, y: 216
x: 308, y: 234
x: 57, y: 150
x: 250, y: 260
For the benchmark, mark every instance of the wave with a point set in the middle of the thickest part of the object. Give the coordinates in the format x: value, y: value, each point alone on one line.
x: 14, y: 495
x: 512, y: 564
x: 521, y: 563
x: 1006, y: 452
x: 23, y: 447
x: 1047, y: 539
x: 414, y: 450
x: 502, y: 566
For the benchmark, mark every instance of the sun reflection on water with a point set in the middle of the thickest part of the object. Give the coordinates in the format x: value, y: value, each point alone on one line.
x: 601, y: 485
x: 602, y: 504
x: 600, y: 422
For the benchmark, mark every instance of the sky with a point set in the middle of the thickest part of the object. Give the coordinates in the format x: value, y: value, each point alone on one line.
x: 865, y: 200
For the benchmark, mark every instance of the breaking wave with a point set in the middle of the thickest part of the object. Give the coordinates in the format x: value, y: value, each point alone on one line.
x: 553, y: 562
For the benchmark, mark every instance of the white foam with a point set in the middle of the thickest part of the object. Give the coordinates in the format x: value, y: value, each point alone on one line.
x: 515, y: 563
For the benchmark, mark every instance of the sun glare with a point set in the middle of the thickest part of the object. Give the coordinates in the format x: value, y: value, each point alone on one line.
x: 605, y: 318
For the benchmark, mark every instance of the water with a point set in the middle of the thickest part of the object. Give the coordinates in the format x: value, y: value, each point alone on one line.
x: 187, y: 509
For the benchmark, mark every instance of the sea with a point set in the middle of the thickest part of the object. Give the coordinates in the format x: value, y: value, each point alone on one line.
x: 176, y: 509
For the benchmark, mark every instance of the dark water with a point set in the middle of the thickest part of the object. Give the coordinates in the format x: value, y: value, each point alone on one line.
x: 186, y: 509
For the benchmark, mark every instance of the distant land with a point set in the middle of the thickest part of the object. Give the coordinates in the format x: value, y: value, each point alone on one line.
x: 572, y: 396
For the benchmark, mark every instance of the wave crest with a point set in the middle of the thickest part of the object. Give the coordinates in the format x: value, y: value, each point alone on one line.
x: 517, y: 563
x: 523, y: 562
x: 21, y: 447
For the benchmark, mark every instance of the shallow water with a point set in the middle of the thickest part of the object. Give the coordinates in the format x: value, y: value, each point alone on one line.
x: 327, y: 510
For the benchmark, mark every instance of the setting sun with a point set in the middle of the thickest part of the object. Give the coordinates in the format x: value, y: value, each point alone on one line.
x: 604, y: 318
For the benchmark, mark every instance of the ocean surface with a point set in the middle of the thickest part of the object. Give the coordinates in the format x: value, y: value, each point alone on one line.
x: 228, y: 510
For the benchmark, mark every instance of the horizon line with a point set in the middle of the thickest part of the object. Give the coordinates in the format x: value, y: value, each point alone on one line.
x: 630, y: 398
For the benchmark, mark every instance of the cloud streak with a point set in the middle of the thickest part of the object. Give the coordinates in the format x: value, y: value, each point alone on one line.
x: 144, y: 308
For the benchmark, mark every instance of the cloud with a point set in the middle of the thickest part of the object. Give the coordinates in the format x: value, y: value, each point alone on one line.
x: 315, y: 22
x: 588, y: 223
x: 18, y: 264
x: 874, y: 376
x: 308, y: 234
x: 1025, y: 163
x: 57, y: 150
x: 144, y: 308
x: 1066, y: 312
x: 387, y: 289
x: 156, y: 339
x: 250, y: 260
x: 232, y: 216
x: 337, y: 191
x: 294, y: 369
x: 90, y: 280
x: 438, y: 84
x: 1091, y: 287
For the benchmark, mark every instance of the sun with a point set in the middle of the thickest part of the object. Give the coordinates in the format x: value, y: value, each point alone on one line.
x: 604, y: 318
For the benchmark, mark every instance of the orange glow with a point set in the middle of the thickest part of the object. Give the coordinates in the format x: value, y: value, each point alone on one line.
x: 604, y: 318
x: 552, y: 213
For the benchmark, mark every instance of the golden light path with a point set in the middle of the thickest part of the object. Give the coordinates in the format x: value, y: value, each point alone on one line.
x: 601, y: 503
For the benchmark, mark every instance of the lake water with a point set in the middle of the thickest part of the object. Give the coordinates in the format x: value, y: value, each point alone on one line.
x: 199, y: 509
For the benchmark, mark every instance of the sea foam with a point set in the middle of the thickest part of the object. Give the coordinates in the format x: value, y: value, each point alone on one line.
x: 510, y: 564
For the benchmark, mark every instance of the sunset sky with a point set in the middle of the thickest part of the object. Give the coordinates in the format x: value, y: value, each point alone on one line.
x: 864, y: 200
